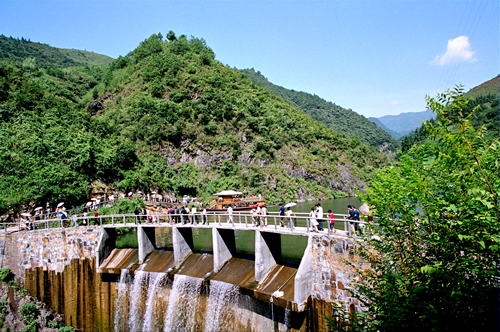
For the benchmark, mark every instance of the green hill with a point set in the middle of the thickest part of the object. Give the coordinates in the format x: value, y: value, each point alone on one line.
x: 333, y: 116
x: 484, y: 99
x: 167, y: 117
x: 489, y: 87
x: 45, y: 55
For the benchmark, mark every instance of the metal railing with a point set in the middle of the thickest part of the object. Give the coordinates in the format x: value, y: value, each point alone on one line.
x: 297, y: 223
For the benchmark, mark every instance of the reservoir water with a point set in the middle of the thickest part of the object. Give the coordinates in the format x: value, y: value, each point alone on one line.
x: 292, y: 247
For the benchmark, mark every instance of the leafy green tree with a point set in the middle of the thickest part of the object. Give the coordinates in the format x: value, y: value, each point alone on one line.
x: 433, y: 247
x: 171, y: 36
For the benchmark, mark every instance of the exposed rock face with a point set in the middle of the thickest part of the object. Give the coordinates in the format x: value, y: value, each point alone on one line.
x: 343, y: 180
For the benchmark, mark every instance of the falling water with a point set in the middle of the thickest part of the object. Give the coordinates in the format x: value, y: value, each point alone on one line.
x: 288, y: 315
x: 120, y: 321
x: 183, y: 304
x: 153, y: 318
x: 222, y: 301
x: 136, y: 312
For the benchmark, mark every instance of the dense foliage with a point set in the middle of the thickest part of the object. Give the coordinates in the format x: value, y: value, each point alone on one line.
x: 165, y: 117
x: 331, y: 115
x: 434, y: 246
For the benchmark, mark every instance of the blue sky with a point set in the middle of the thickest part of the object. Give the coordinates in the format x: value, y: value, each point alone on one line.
x: 374, y: 57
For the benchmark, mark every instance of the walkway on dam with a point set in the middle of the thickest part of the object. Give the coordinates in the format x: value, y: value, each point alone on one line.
x: 299, y: 224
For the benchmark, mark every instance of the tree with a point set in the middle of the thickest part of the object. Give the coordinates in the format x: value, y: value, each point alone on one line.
x: 171, y: 36
x: 433, y: 246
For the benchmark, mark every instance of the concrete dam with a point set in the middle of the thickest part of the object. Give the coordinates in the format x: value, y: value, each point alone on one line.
x: 166, y: 283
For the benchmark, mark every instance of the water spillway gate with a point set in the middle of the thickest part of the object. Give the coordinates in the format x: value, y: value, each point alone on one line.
x: 262, y: 277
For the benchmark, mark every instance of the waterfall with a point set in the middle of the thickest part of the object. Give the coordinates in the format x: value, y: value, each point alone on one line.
x: 120, y: 320
x: 183, y: 304
x: 288, y: 316
x: 222, y: 301
x: 153, y: 317
x: 136, y: 313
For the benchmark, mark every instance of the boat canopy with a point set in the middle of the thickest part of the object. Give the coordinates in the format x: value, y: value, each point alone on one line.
x: 228, y: 193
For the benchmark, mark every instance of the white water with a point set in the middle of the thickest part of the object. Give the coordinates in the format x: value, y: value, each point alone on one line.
x: 153, y: 317
x: 222, y: 301
x: 136, y: 313
x: 122, y: 301
x: 183, y: 304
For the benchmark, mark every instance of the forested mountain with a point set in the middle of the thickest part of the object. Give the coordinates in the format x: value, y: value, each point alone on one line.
x: 393, y: 134
x: 166, y: 117
x: 45, y: 55
x: 333, y: 116
x: 484, y: 99
x: 403, y: 123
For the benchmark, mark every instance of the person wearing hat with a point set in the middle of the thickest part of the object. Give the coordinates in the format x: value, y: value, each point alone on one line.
x: 255, y: 216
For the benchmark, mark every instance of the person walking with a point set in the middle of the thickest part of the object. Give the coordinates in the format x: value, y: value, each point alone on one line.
x: 289, y: 213
x: 229, y: 214
x: 204, y: 215
x: 282, y: 215
x: 313, y: 220
x: 331, y: 225
x: 74, y: 221
x: 194, y: 216
x: 255, y: 217
x: 136, y: 212
x: 319, y: 215
x: 264, y: 215
x: 355, y: 217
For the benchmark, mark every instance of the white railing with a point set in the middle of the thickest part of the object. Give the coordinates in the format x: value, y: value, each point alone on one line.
x: 299, y: 222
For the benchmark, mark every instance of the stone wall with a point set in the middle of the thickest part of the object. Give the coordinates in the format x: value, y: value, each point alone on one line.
x: 331, y: 281
x: 52, y: 249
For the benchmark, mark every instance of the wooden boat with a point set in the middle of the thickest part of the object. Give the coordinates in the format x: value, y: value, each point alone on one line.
x: 234, y: 199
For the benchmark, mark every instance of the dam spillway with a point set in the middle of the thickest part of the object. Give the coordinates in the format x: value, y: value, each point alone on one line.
x: 83, y: 274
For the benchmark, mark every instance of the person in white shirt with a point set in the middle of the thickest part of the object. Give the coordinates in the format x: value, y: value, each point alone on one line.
x: 264, y: 215
x: 194, y: 217
x: 204, y: 216
x: 229, y: 214
x: 319, y: 215
x: 259, y: 214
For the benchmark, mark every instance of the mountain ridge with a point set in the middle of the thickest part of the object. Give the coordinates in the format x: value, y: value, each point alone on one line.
x: 342, y: 120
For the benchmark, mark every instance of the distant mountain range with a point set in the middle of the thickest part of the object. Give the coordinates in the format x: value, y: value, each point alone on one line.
x: 402, y: 124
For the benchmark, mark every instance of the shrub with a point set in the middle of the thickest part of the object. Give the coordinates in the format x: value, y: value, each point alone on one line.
x: 66, y: 329
x: 6, y: 275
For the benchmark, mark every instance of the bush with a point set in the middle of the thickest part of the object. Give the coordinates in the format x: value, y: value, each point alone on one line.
x: 66, y: 329
x: 29, y: 311
x: 6, y: 274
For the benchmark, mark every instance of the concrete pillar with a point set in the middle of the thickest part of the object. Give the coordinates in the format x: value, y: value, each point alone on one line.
x: 224, y: 246
x: 182, y: 239
x: 145, y: 241
x: 303, y: 278
x: 267, y: 252
x: 106, y: 244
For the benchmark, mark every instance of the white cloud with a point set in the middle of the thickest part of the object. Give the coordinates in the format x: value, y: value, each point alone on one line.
x: 458, y: 50
x: 395, y: 102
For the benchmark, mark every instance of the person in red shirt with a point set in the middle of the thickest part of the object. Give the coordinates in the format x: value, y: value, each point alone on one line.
x: 332, y: 221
